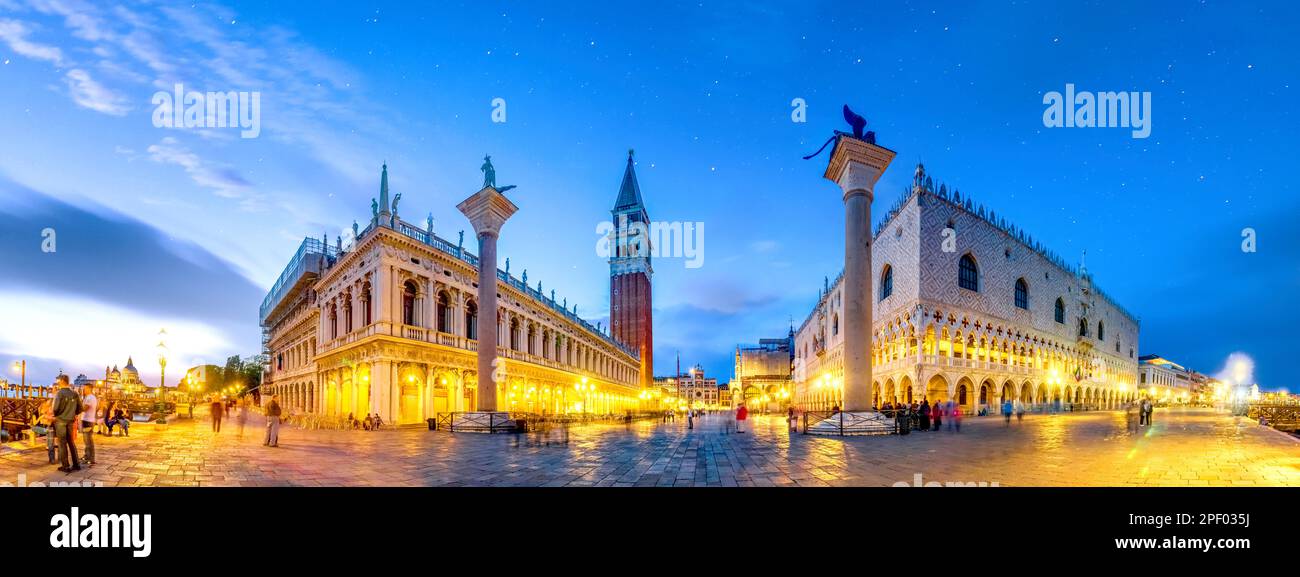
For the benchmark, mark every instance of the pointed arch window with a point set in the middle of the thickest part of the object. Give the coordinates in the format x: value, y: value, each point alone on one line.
x: 1101, y: 330
x: 1060, y: 311
x: 968, y: 275
x: 887, y: 282
x: 1022, y: 294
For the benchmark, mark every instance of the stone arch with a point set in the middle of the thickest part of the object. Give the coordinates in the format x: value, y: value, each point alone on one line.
x: 936, y: 389
x: 905, y: 386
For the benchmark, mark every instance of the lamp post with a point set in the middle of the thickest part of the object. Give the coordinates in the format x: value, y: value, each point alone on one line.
x: 162, y: 365
x: 21, y: 367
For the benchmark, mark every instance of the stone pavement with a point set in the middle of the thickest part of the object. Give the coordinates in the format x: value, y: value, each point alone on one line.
x: 1184, y: 448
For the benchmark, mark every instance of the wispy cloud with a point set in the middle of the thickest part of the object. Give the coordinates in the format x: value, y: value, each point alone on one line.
x: 90, y: 94
x: 222, y: 180
x: 14, y: 33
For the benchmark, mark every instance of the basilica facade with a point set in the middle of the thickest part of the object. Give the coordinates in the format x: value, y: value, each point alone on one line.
x: 387, y: 325
x: 969, y: 308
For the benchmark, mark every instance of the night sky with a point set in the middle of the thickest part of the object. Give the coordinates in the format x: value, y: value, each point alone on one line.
x: 188, y: 228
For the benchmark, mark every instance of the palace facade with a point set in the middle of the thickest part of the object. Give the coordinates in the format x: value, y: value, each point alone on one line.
x: 387, y: 325
x: 968, y: 307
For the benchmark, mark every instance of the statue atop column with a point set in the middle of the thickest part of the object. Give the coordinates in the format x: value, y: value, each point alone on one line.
x: 428, y: 226
x: 489, y: 173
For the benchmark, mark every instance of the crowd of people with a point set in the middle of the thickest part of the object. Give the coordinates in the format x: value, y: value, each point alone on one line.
x: 372, y: 422
x: 71, y: 414
x: 924, y: 416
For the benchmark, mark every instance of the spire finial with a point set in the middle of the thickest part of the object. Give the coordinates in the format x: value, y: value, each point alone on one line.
x: 630, y: 152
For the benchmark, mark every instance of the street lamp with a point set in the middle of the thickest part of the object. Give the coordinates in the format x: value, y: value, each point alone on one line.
x: 162, y: 364
x: 21, y: 367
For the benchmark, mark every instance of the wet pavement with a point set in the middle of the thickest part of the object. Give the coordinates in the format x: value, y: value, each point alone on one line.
x: 1184, y: 448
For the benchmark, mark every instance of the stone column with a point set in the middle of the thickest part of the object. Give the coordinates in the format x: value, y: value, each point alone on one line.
x: 856, y: 165
x: 487, y: 211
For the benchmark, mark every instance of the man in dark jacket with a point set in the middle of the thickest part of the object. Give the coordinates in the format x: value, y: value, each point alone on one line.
x: 67, y: 405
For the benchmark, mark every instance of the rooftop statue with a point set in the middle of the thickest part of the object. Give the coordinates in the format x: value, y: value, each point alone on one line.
x: 396, y: 199
x: 374, y: 208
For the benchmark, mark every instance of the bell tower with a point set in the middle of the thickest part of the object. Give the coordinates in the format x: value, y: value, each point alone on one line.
x: 629, y: 273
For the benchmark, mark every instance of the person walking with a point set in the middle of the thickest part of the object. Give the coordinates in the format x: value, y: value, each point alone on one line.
x: 792, y: 420
x: 243, y: 416
x: 272, y: 422
x: 217, y: 409
x: 741, y: 414
x: 67, y: 404
x: 1151, y: 409
x: 1130, y: 415
x: 46, y: 422
x: 1006, y: 412
x: 90, y: 407
x: 925, y: 413
x: 950, y: 409
x: 1020, y: 411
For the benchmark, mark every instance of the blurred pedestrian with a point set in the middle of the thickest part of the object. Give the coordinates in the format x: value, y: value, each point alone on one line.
x: 272, y: 422
x: 46, y: 423
x: 1006, y: 412
x: 949, y: 409
x: 954, y: 416
x: 741, y: 414
x: 926, y: 413
x: 217, y: 414
x: 1020, y: 411
x: 243, y: 415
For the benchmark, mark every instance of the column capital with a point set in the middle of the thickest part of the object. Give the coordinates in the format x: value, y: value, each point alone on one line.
x: 487, y: 211
x: 856, y: 165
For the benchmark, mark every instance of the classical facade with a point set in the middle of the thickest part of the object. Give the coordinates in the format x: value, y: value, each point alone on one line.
x: 387, y: 325
x: 968, y: 307
x: 762, y: 374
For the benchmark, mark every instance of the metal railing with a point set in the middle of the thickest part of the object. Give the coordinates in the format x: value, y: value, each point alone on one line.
x: 843, y: 423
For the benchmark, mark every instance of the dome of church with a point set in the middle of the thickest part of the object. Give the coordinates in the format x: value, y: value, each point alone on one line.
x: 129, y: 370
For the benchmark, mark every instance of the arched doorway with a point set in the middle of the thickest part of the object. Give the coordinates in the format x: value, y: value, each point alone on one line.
x: 937, y: 389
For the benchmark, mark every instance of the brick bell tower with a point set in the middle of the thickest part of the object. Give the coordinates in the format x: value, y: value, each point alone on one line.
x: 629, y: 274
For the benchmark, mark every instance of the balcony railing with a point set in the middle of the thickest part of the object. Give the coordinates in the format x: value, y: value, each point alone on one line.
x: 449, y: 340
x: 955, y: 362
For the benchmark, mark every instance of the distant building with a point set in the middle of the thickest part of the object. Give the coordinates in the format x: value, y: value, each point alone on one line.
x: 693, y: 389
x: 762, y: 374
x: 126, y: 379
x: 1165, y: 380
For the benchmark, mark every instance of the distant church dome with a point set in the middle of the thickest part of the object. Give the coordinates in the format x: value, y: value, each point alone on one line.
x: 129, y: 370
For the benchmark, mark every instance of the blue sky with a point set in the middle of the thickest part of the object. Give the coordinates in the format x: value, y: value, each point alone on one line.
x: 187, y: 228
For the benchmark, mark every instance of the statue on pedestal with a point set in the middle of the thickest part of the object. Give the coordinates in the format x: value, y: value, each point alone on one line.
x: 857, y: 122
x: 489, y: 173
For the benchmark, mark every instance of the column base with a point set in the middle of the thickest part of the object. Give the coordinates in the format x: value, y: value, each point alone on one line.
x: 853, y: 423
